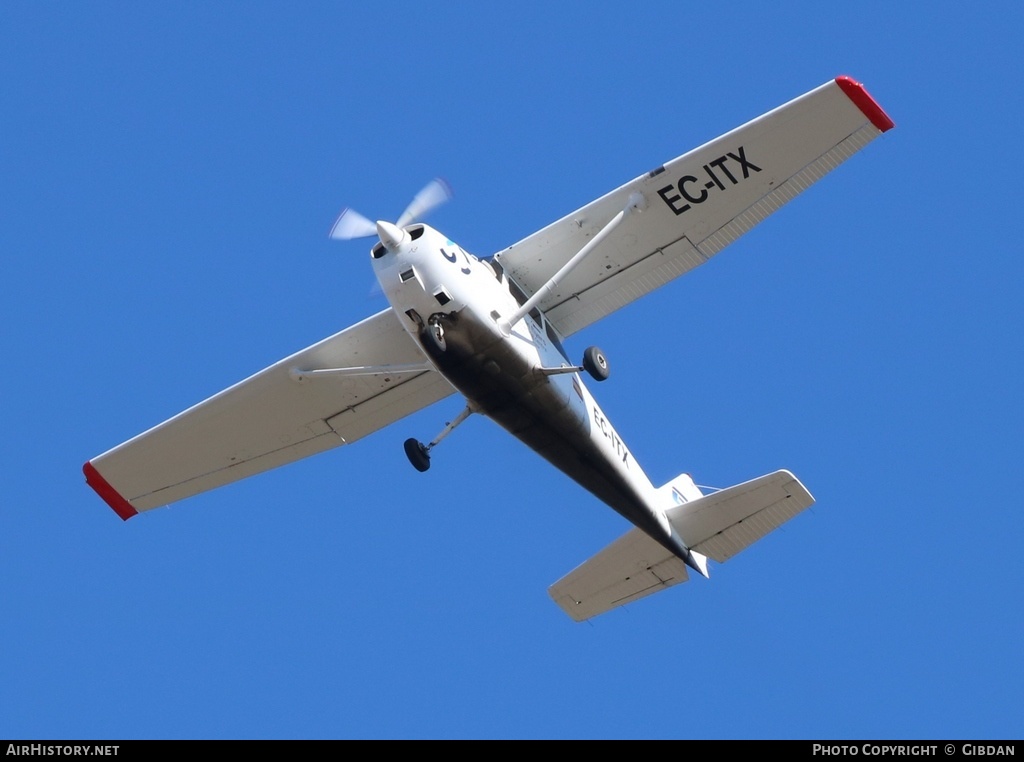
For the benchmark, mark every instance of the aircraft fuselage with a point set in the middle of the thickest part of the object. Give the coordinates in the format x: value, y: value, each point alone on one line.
x: 450, y: 301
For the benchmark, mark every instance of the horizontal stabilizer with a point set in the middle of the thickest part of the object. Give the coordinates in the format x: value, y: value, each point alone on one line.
x: 630, y: 568
x: 718, y: 526
x: 723, y: 523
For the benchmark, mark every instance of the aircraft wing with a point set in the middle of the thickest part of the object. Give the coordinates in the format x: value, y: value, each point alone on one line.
x: 718, y: 525
x: 272, y: 418
x: 695, y: 205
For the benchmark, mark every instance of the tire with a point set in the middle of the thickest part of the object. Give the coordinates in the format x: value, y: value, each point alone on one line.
x: 433, y: 337
x: 596, y: 364
x: 417, y: 454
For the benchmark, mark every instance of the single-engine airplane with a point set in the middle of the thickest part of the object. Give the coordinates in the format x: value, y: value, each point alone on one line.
x: 492, y: 330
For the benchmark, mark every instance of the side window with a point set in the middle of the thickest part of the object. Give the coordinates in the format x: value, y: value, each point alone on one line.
x: 517, y: 293
x: 554, y: 337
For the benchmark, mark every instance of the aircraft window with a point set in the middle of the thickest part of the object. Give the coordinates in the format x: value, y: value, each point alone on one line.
x: 516, y: 292
x: 554, y: 337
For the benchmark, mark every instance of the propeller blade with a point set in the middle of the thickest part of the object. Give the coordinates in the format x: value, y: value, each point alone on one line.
x: 351, y: 224
x: 436, y: 192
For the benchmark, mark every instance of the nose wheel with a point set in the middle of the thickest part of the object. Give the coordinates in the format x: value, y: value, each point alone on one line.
x: 433, y: 337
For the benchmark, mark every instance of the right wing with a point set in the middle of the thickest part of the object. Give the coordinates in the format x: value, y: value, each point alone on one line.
x: 271, y: 418
x: 718, y: 525
x: 696, y: 205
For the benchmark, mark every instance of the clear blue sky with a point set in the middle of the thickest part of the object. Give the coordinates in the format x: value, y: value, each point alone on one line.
x: 168, y: 175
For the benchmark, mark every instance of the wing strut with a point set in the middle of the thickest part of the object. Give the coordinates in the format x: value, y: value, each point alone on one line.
x: 636, y: 202
x: 299, y: 375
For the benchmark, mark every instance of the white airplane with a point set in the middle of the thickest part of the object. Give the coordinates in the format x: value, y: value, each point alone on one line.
x: 493, y: 329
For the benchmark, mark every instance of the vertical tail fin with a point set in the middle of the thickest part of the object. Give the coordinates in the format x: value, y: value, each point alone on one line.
x: 679, y: 491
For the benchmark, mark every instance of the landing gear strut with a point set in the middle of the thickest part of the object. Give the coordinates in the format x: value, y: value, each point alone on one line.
x: 419, y: 453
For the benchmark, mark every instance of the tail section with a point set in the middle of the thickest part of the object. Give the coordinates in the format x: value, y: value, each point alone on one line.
x: 716, y: 526
x: 723, y: 523
x: 679, y: 491
x: 632, y: 567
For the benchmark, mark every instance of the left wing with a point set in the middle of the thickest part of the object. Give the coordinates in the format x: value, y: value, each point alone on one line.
x: 718, y: 525
x: 695, y: 205
x: 272, y: 418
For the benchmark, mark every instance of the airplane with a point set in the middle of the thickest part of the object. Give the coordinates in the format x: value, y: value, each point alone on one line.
x: 493, y: 330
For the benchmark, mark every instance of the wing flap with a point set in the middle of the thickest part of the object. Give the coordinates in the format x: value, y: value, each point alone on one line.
x: 696, y: 204
x: 632, y: 567
x: 271, y: 419
x: 723, y: 523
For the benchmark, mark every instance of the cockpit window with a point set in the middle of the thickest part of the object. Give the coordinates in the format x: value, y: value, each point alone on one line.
x: 517, y: 293
x: 550, y: 329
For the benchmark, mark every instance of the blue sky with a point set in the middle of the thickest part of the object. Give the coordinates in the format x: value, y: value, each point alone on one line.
x: 168, y: 175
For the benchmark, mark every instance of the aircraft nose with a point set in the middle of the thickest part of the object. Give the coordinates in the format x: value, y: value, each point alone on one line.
x: 390, y: 234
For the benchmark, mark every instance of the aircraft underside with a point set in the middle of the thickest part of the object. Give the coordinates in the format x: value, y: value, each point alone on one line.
x: 503, y: 385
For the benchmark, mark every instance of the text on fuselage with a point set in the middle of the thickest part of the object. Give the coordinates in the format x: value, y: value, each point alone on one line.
x: 609, y: 433
x: 732, y: 168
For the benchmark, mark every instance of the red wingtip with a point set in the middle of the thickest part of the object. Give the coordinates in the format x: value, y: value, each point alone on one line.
x: 855, y: 92
x: 110, y: 496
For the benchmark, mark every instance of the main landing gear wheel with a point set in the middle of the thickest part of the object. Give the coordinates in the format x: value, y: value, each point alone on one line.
x: 596, y: 364
x: 417, y: 454
x: 433, y: 335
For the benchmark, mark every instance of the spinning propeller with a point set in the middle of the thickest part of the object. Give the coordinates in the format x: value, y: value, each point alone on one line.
x: 351, y: 224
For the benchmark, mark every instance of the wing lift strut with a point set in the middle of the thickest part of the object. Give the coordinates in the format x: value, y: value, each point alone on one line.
x: 636, y: 203
x: 360, y: 370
